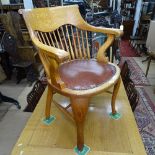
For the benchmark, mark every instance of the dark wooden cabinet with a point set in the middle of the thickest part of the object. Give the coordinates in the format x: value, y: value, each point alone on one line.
x: 128, y: 28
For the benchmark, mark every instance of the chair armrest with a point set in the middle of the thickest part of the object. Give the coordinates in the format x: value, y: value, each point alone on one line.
x: 58, y: 54
x: 101, y: 52
x: 113, y: 31
x: 85, y: 26
x: 110, y: 32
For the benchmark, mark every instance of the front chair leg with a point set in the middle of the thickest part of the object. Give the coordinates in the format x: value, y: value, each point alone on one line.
x: 79, y: 108
x: 114, y: 95
x: 48, y: 102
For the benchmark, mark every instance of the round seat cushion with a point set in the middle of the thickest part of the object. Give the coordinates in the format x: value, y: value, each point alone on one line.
x: 85, y: 74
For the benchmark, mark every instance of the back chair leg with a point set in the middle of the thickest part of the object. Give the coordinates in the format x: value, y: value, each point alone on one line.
x: 48, y: 102
x: 79, y: 108
x: 148, y: 66
x: 114, y: 95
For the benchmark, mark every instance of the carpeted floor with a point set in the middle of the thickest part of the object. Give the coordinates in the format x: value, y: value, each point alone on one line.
x: 126, y: 50
x: 145, y: 110
x: 137, y: 75
x: 145, y: 117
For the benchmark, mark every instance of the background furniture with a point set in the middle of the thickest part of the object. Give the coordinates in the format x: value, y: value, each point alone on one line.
x: 39, y: 3
x: 4, y: 98
x: 129, y: 86
x: 17, y: 43
x: 34, y: 96
x: 64, y: 50
x: 5, y: 63
x: 128, y: 28
x: 144, y: 13
x: 128, y: 9
x: 150, y: 44
x: 2, y: 73
x: 139, y: 40
x: 23, y: 67
x: 10, y: 7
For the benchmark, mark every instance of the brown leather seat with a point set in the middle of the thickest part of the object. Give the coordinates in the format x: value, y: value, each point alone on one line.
x: 85, y: 74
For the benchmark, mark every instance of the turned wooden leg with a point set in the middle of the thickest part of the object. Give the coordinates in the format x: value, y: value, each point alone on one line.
x: 79, y: 108
x: 114, y: 95
x: 48, y: 102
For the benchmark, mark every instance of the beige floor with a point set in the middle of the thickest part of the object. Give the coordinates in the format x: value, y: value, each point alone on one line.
x: 151, y: 76
x: 14, y: 120
x: 151, y: 73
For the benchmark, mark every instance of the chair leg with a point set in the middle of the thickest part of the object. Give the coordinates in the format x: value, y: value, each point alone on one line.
x: 79, y: 108
x: 48, y: 102
x: 148, y: 66
x: 114, y: 95
x: 145, y: 59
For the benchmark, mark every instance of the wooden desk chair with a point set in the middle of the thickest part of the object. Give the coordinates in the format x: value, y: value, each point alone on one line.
x: 66, y: 59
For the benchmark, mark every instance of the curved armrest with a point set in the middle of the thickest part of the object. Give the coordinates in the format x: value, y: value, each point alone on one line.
x: 58, y: 54
x: 101, y: 52
x: 85, y: 26
x: 113, y: 31
x: 110, y: 32
x: 58, y: 57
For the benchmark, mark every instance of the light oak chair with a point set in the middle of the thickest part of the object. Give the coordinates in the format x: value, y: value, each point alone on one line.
x: 61, y: 35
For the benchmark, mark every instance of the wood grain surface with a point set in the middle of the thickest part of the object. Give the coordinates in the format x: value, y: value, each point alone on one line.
x: 103, y: 135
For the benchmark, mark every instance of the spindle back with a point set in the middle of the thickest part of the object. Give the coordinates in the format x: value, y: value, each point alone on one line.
x: 61, y: 34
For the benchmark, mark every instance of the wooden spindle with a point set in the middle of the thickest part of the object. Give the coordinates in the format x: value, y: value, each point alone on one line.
x: 42, y: 36
x: 60, y: 39
x: 47, y: 38
x: 65, y: 41
x: 51, y: 38
x: 56, y: 39
x: 88, y: 50
x: 84, y: 51
x: 78, y: 39
x: 39, y: 37
x: 75, y: 48
x: 70, y: 45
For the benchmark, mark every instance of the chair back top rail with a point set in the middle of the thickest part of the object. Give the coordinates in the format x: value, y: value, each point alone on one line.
x: 50, y: 19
